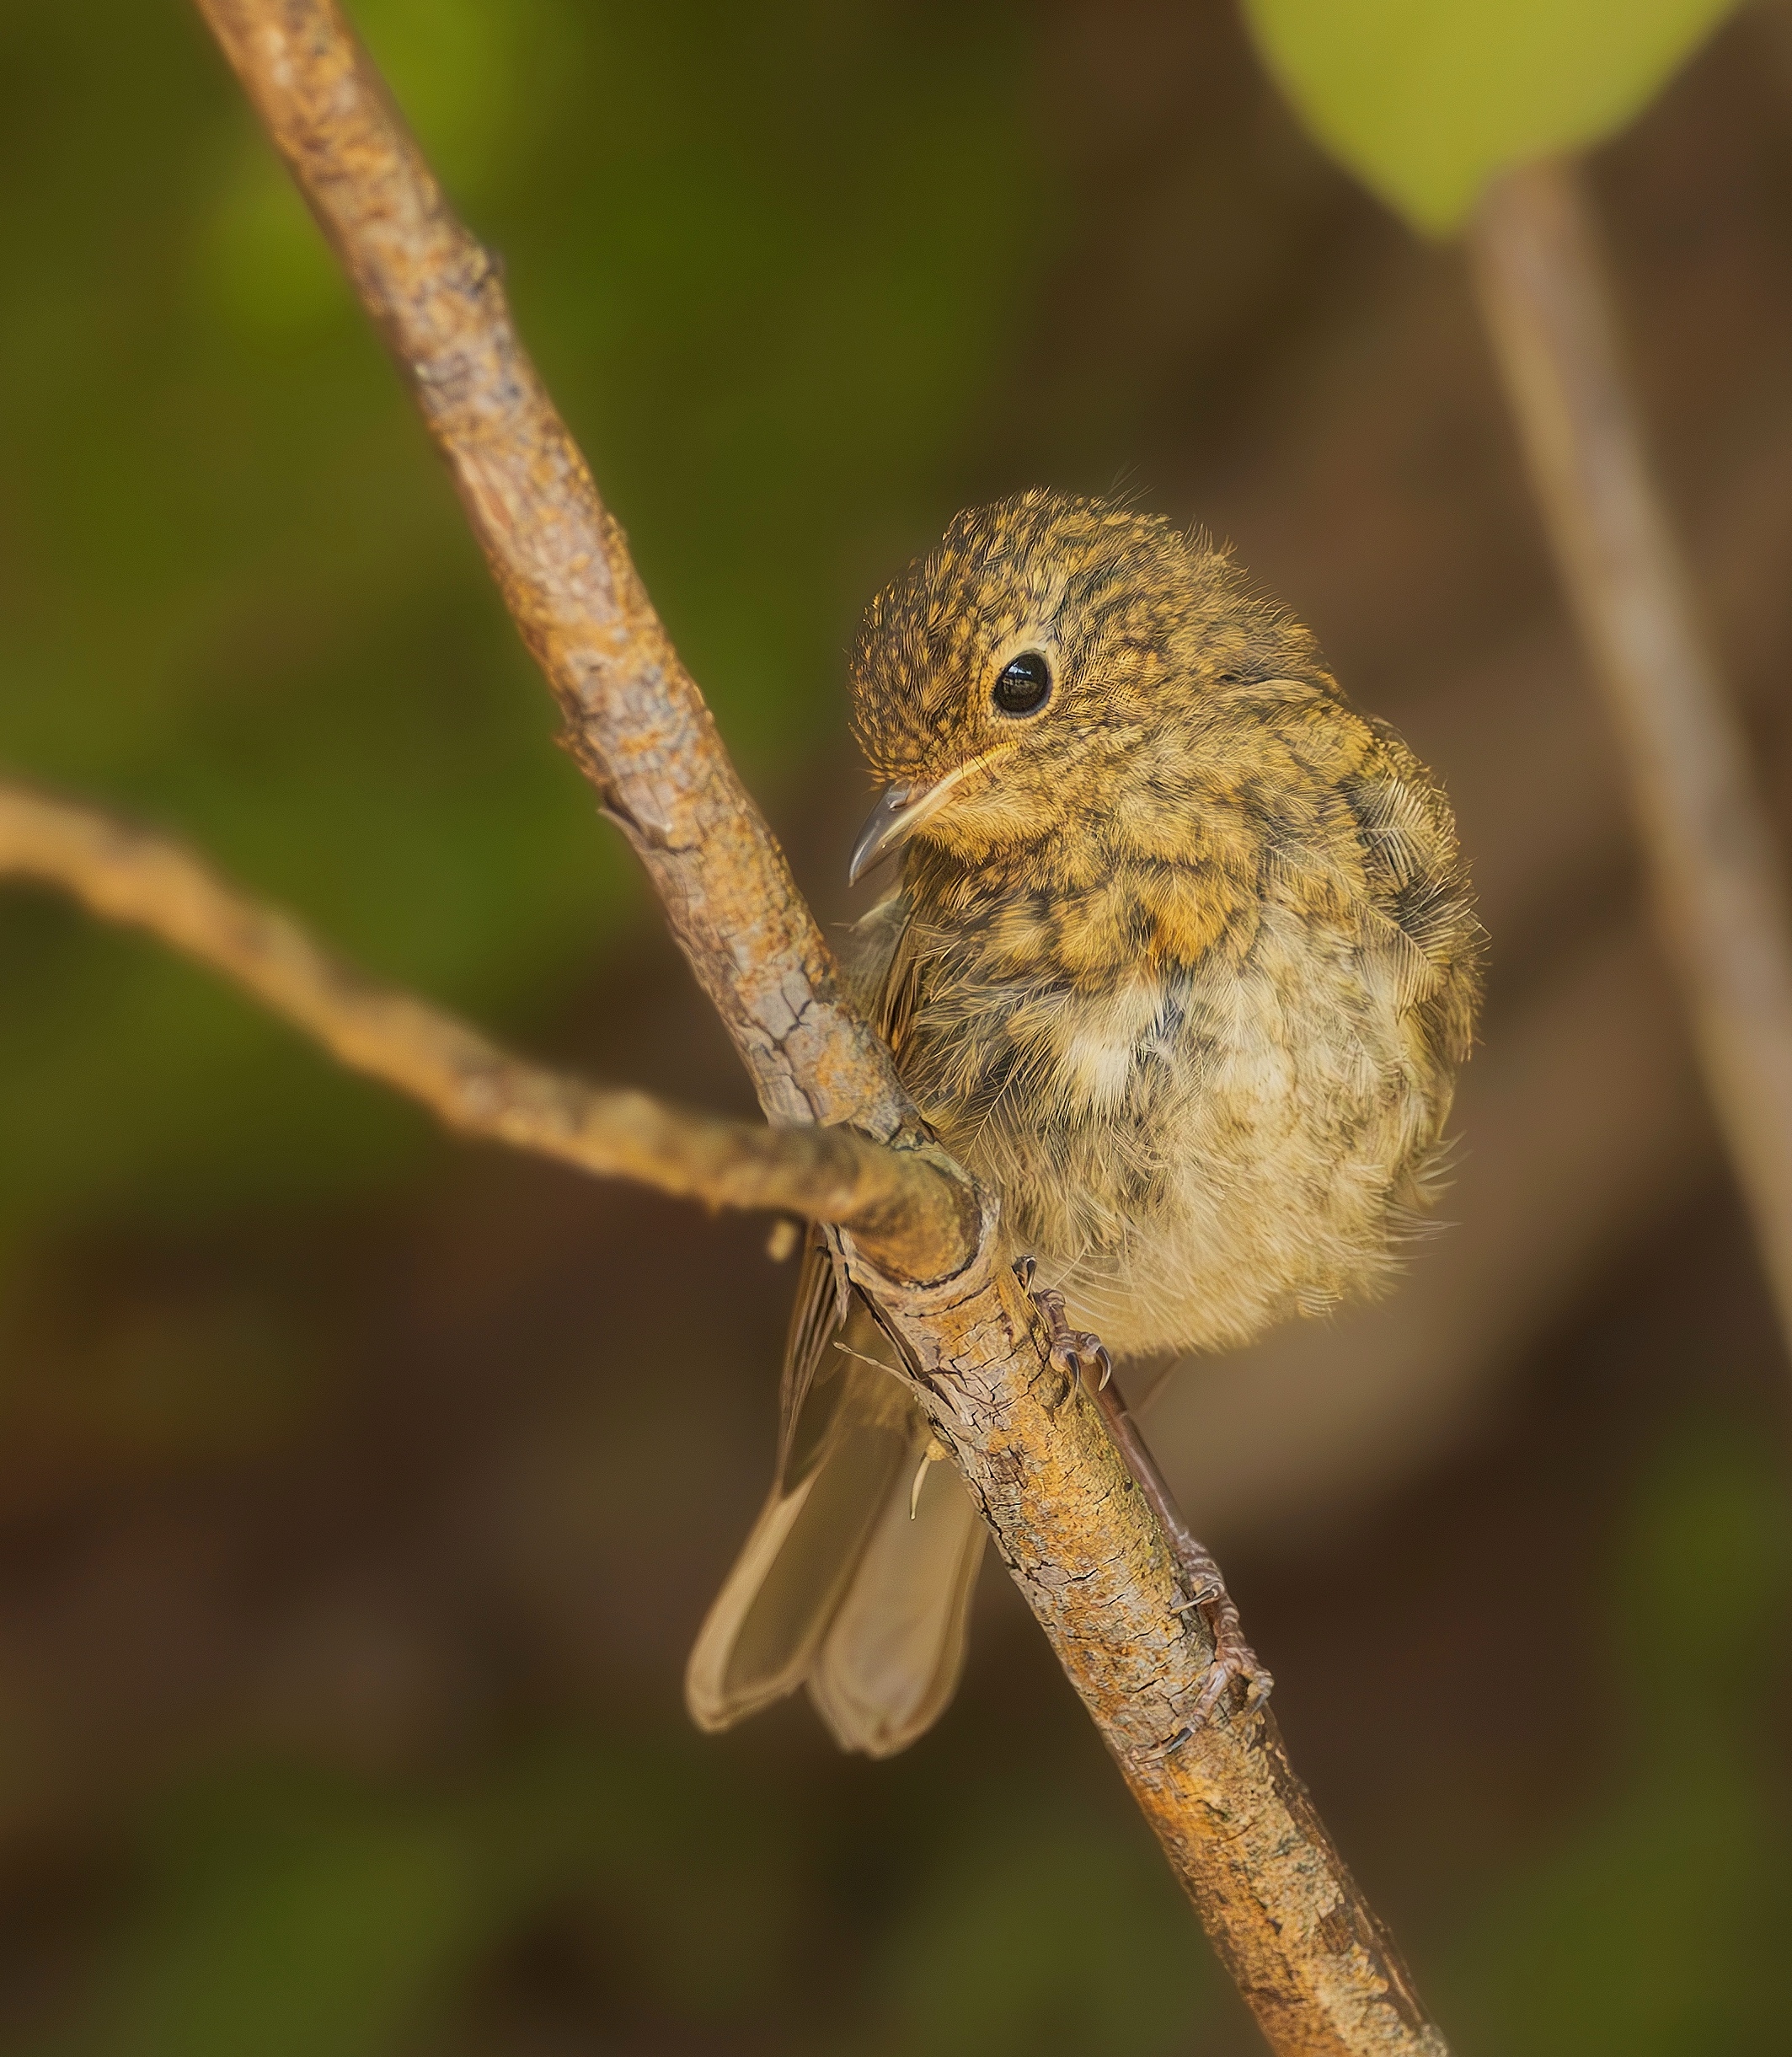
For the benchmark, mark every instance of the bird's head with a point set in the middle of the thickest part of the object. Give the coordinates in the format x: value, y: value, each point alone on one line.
x: 1047, y: 648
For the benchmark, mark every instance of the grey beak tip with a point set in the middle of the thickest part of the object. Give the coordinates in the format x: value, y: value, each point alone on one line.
x: 883, y: 829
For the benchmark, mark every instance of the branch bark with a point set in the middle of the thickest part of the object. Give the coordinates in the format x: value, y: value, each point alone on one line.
x: 906, y: 1205
x: 1068, y: 1519
x: 1717, y: 872
x: 636, y: 723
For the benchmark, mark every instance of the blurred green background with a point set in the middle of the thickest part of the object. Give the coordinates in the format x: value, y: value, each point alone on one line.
x: 360, y: 1492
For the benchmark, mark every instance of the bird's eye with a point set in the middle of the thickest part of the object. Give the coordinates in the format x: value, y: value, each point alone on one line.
x: 1024, y: 685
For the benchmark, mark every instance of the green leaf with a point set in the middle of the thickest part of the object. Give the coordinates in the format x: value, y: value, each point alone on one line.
x: 1425, y: 99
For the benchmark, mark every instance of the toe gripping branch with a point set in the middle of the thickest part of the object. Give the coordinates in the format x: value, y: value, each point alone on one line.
x: 1075, y: 1351
x: 1080, y: 1354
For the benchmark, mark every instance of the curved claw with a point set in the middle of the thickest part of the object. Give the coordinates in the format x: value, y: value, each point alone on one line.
x: 1074, y: 1350
x: 1233, y: 1658
x: 1077, y: 1354
x: 1202, y: 1599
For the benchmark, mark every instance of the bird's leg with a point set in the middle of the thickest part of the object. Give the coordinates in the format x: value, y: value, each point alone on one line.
x: 1074, y: 1350
x: 1233, y: 1659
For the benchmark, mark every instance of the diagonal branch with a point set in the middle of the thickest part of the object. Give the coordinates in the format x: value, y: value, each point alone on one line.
x: 635, y: 721
x: 1079, y: 1538
x: 899, y: 1203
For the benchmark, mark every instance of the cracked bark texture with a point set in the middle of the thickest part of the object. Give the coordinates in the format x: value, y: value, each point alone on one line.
x: 1309, y: 1956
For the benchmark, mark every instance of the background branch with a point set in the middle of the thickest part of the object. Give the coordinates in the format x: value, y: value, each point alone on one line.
x: 1240, y: 1831
x: 900, y: 1203
x: 1716, y: 870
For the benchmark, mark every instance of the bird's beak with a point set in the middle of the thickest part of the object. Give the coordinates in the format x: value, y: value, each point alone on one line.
x: 894, y: 818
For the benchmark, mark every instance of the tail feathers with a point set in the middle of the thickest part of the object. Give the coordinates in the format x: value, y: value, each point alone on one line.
x: 850, y: 1582
x: 759, y: 1639
x: 891, y: 1658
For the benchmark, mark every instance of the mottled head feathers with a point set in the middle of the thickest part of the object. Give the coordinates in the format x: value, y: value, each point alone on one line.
x: 1126, y: 624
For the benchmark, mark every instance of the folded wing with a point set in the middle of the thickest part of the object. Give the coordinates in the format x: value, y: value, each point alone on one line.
x: 856, y: 1580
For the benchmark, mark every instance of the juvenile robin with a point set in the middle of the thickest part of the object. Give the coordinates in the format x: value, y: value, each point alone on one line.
x: 1181, y: 963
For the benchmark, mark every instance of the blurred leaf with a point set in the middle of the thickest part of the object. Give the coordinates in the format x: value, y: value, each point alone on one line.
x: 678, y: 1879
x: 1654, y: 1935
x: 1425, y: 99
x: 297, y: 1916
x: 147, y: 1353
x: 1705, y: 1582
x: 293, y: 1926
x: 1041, y: 1932
x: 1655, y: 1930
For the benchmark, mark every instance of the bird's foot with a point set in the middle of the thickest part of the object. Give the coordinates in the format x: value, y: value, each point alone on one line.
x: 1078, y: 1354
x: 1233, y: 1660
x: 1075, y: 1351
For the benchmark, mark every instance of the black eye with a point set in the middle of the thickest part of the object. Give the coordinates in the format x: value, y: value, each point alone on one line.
x: 1025, y: 684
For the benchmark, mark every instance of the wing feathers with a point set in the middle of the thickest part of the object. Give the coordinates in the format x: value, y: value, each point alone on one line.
x: 761, y: 1635
x: 891, y: 1658
x: 842, y: 1583
x: 837, y: 1584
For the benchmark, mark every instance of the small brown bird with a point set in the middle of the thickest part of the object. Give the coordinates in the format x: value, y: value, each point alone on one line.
x: 1181, y: 964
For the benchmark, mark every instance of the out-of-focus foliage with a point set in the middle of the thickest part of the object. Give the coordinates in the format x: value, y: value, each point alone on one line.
x: 764, y: 257
x: 1425, y: 99
x: 308, y: 1916
x: 986, y: 1962
x: 1659, y: 1929
x: 305, y: 1917
x: 341, y: 1608
x: 299, y: 1916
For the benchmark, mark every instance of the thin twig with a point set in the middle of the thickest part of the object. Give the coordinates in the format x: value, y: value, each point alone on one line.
x: 830, y: 1175
x: 1717, y: 872
x: 1078, y: 1535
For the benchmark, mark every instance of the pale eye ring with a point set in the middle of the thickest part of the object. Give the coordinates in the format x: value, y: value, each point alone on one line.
x: 1023, y: 684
